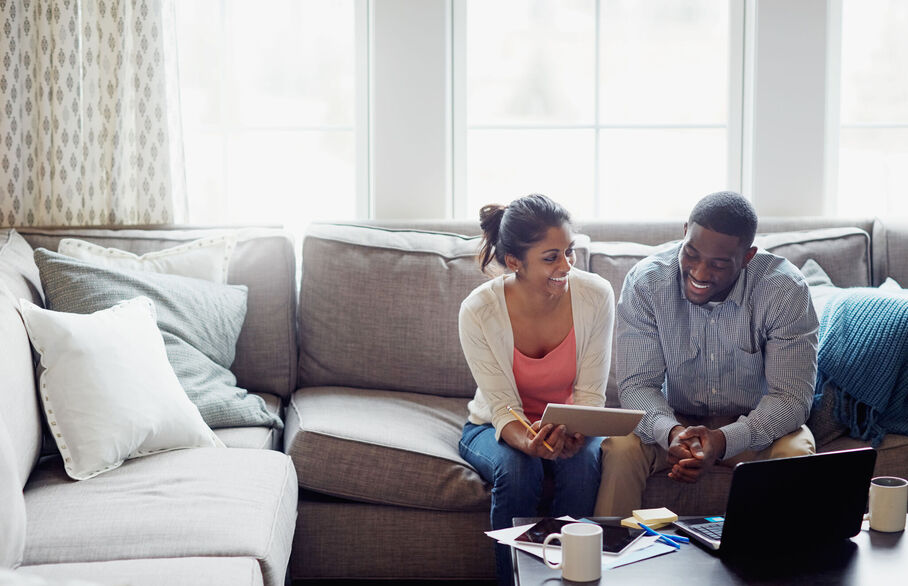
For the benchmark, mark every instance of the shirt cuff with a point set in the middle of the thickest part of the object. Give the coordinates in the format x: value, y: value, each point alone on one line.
x: 662, y: 427
x: 737, y: 438
x: 502, y: 418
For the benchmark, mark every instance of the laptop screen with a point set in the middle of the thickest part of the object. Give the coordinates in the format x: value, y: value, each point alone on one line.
x: 777, y: 501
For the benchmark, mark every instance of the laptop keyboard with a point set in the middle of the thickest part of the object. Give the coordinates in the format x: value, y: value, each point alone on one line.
x: 713, y: 530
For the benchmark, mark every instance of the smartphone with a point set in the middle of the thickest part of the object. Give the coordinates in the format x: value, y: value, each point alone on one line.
x: 614, y: 539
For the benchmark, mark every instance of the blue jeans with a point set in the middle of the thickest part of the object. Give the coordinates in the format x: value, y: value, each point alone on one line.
x: 516, y: 480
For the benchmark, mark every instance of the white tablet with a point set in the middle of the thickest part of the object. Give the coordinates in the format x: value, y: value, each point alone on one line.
x: 592, y: 421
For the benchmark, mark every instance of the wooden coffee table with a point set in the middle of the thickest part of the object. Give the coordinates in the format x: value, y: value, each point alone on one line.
x: 868, y: 558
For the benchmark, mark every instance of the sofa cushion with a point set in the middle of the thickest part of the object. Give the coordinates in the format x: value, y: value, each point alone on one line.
x: 702, y: 498
x: 263, y: 260
x: 205, y: 502
x: 383, y: 447
x: 18, y: 394
x: 844, y: 253
x: 612, y: 261
x: 23, y: 578
x: 12, y: 504
x: 425, y: 545
x: 657, y: 231
x: 890, y: 241
x: 199, y: 320
x: 377, y: 306
x: 198, y: 571
x: 19, y: 279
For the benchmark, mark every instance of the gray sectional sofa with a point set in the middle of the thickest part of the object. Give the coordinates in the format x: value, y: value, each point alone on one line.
x: 195, y: 516
x: 361, y: 358
x: 373, y: 430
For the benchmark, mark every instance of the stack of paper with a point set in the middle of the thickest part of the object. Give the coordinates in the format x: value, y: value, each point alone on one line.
x: 643, y: 548
x: 652, y: 518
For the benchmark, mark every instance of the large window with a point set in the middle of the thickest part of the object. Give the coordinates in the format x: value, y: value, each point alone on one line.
x: 873, y: 134
x: 268, y: 109
x: 616, y: 108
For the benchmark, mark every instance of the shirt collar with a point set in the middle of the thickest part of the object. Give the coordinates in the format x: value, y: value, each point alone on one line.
x: 736, y: 294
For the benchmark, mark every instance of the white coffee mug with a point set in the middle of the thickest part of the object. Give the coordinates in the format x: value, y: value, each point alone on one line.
x: 581, y: 552
x: 888, y: 503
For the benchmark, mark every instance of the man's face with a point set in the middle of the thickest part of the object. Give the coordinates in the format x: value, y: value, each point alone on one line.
x: 710, y: 263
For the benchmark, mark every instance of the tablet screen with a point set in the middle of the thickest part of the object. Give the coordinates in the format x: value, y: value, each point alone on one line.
x: 614, y: 539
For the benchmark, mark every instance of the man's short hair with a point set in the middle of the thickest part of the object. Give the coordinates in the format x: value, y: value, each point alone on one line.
x: 729, y: 213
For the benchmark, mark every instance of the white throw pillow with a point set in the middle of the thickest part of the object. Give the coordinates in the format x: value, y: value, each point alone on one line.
x: 108, y: 390
x: 890, y: 285
x: 207, y: 258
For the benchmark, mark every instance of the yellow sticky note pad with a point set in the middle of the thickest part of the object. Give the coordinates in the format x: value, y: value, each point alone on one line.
x: 632, y: 523
x: 649, y: 517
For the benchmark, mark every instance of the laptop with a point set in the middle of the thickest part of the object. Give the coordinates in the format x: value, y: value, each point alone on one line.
x: 797, y: 502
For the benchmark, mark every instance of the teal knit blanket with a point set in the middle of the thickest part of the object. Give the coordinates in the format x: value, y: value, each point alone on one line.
x: 863, y: 350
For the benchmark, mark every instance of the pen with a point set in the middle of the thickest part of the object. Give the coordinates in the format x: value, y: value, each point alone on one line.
x: 527, y: 425
x: 672, y: 540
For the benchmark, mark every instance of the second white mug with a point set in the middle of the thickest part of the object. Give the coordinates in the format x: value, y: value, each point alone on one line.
x: 888, y: 503
x: 581, y: 551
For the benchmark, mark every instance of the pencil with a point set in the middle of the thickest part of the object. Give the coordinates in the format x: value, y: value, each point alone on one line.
x: 527, y: 425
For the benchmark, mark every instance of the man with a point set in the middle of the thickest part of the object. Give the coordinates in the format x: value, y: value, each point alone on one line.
x: 717, y: 342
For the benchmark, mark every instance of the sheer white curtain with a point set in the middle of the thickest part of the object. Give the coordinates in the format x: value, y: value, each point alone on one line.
x: 90, y: 122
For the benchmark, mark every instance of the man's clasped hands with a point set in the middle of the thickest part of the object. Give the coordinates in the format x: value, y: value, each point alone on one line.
x: 693, y: 450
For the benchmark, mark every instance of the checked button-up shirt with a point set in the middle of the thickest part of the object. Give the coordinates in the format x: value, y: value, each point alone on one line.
x: 752, y: 356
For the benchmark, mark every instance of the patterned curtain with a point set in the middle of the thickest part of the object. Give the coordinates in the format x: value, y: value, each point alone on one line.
x: 90, y: 113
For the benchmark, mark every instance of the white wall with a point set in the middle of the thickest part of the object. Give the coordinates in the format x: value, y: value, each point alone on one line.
x: 786, y: 88
x: 411, y: 111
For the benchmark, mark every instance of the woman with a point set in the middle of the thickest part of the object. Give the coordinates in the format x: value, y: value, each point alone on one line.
x: 536, y: 335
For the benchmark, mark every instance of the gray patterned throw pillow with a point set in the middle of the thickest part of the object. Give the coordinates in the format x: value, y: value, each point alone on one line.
x: 199, y: 320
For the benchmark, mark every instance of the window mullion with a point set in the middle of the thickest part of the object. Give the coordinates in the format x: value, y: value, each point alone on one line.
x: 597, y: 196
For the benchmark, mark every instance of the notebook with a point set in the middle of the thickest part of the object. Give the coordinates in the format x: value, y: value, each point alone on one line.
x: 799, y: 502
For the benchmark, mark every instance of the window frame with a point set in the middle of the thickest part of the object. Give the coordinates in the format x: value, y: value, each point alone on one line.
x: 733, y: 127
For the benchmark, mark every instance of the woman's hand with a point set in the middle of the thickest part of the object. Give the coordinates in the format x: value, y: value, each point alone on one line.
x: 548, y: 433
x: 518, y: 437
x: 572, y: 444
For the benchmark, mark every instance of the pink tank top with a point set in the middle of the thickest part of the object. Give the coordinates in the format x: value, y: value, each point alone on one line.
x: 549, y: 379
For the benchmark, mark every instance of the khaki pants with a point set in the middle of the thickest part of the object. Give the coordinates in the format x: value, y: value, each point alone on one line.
x: 627, y: 463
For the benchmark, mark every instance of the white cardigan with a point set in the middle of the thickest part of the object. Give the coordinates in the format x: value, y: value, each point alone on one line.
x: 488, y: 345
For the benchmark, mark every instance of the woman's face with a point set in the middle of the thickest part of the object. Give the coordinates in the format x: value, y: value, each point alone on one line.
x: 548, y: 262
